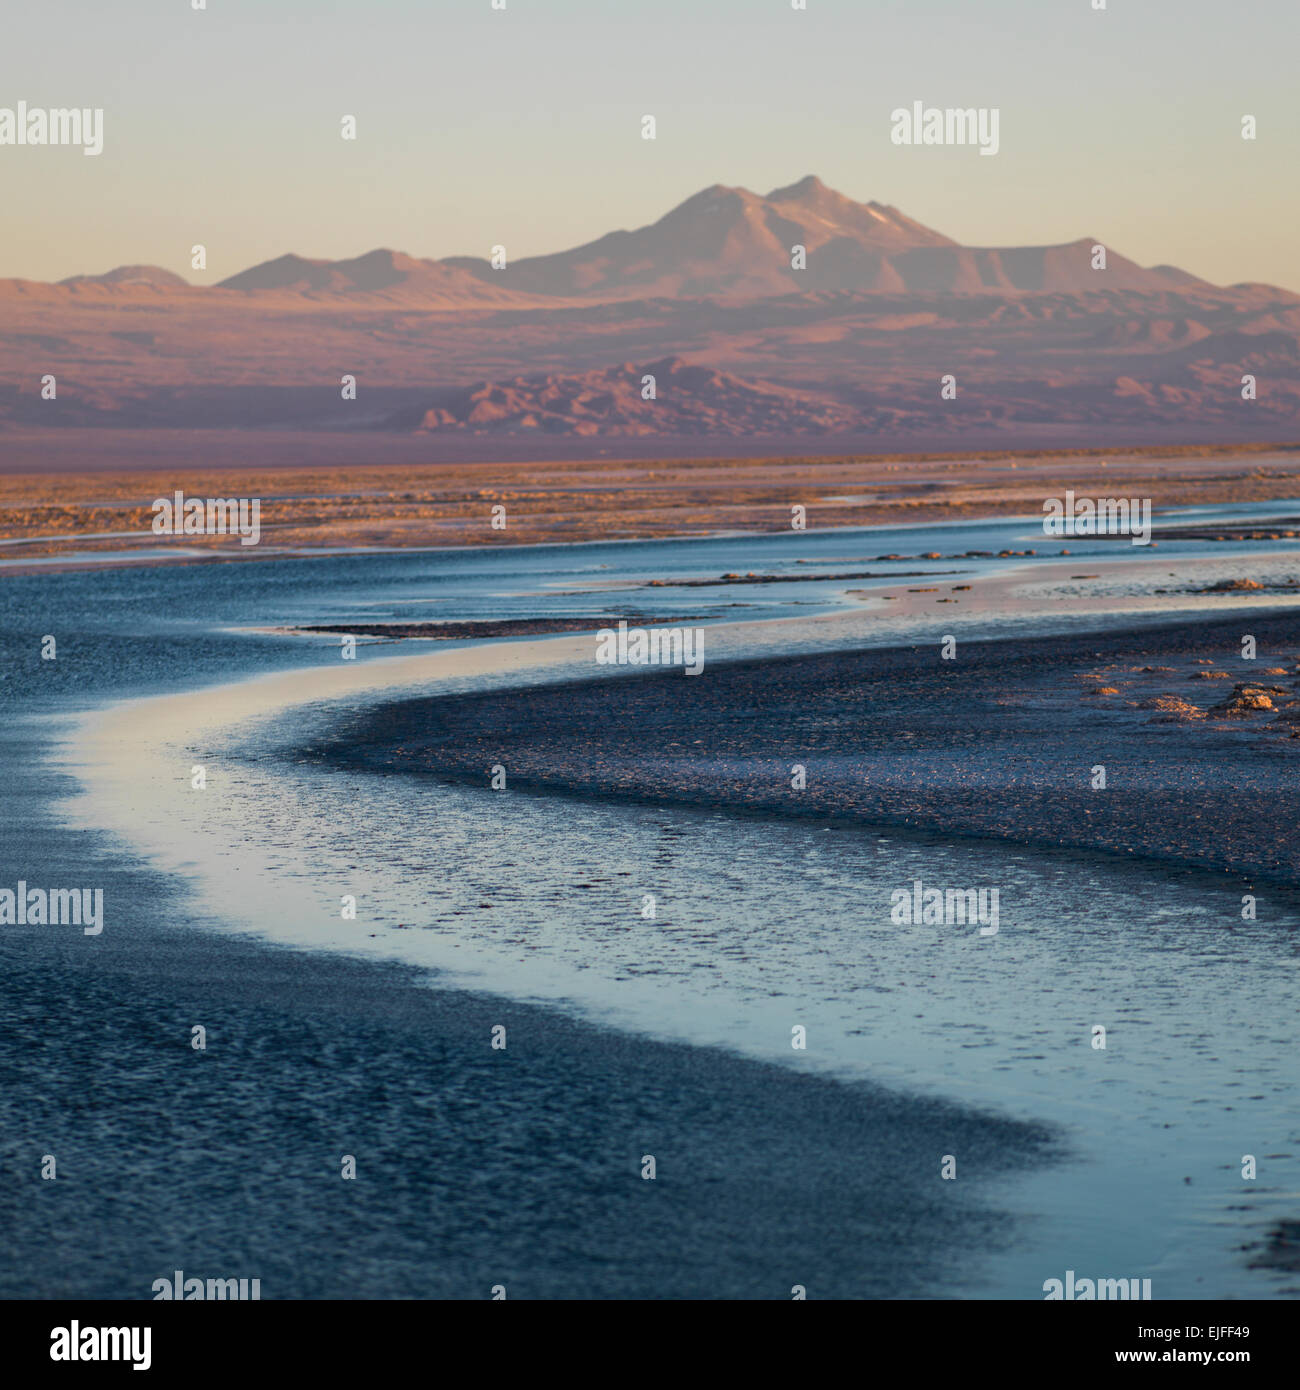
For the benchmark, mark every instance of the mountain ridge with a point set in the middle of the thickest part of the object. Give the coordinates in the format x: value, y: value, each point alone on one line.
x: 855, y: 347
x: 722, y: 242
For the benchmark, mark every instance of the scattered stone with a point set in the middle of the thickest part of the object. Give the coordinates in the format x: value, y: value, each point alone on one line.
x: 1243, y: 701
x: 1173, y: 709
x: 1226, y: 586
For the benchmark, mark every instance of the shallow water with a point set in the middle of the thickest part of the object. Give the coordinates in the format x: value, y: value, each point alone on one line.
x: 761, y: 926
x: 758, y: 927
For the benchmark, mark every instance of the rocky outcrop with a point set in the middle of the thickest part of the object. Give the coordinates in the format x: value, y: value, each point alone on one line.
x: 1247, y: 698
x: 1173, y: 709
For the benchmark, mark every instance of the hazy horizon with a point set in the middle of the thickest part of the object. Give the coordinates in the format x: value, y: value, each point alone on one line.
x: 478, y: 127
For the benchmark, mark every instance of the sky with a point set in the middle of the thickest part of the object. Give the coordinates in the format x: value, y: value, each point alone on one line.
x: 522, y: 126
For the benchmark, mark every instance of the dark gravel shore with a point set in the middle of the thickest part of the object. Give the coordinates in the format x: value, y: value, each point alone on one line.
x: 999, y: 742
x: 485, y: 627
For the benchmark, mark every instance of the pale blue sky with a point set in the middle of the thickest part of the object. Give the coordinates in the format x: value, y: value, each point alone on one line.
x: 523, y: 127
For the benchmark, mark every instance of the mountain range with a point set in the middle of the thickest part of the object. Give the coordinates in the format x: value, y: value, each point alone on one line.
x: 851, y: 347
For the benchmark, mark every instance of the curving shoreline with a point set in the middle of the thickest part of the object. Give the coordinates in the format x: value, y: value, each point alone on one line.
x: 1000, y: 742
x: 475, y: 1166
x: 452, y: 1100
